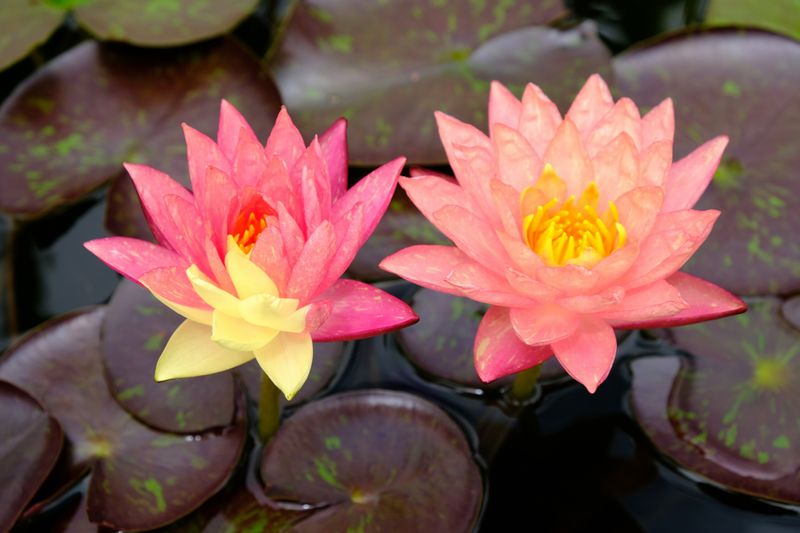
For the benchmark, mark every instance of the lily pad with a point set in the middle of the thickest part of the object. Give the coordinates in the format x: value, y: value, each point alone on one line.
x: 242, y: 512
x: 387, y: 66
x: 24, y: 24
x: 68, y: 128
x: 374, y: 460
x: 161, y: 22
x: 744, y: 85
x: 30, y: 442
x: 135, y: 330
x: 782, y: 16
x: 141, y: 478
x: 731, y: 414
x: 401, y: 226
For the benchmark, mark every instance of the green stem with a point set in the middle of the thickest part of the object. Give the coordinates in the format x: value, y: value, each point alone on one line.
x: 269, y: 409
x: 525, y: 383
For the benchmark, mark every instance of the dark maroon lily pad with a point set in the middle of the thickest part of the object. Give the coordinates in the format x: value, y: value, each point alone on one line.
x: 401, y: 226
x: 732, y: 412
x: 135, y: 330
x: 744, y: 85
x: 160, y: 23
x: 791, y: 311
x: 781, y: 16
x: 30, y: 442
x: 377, y: 460
x: 69, y: 127
x: 24, y: 24
x: 242, y: 512
x: 141, y: 478
x: 387, y: 66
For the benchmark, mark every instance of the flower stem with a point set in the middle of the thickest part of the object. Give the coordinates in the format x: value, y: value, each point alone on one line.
x: 269, y: 409
x: 525, y: 382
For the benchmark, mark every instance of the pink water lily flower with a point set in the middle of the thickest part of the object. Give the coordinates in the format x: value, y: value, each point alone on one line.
x: 252, y: 258
x: 568, y: 227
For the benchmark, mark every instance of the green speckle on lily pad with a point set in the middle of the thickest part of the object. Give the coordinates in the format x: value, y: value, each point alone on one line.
x: 24, y: 24
x: 731, y: 413
x: 402, y: 465
x: 742, y: 84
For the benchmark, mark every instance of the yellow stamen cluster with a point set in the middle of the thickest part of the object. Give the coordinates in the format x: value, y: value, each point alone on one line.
x: 574, y: 232
x: 248, y: 231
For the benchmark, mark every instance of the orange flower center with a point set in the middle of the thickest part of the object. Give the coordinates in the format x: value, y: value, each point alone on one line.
x: 250, y: 222
x: 569, y: 232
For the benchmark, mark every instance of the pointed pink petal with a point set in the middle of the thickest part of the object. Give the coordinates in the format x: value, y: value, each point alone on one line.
x: 689, y: 177
x: 291, y: 234
x: 638, y: 210
x: 483, y: 285
x: 430, y: 193
x: 312, y: 264
x: 187, y: 237
x: 152, y: 186
x: 654, y: 164
x: 427, y: 265
x: 275, y: 188
x: 542, y: 324
x: 705, y: 300
x: 506, y: 203
x: 588, y: 354
x: 249, y: 162
x: 216, y: 203
x: 472, y: 235
x: 567, y: 156
x: 334, y: 151
x: 616, y: 168
x: 360, y: 310
x: 285, y: 140
x: 373, y: 191
x: 504, y: 108
x: 171, y: 283
x: 498, y: 350
x: 348, y: 231
x: 674, y: 238
x: 609, y: 271
x: 657, y: 300
x: 132, y: 257
x: 309, y: 176
x: 528, y: 286
x: 623, y: 118
x: 518, y: 164
x: 269, y: 255
x: 593, y: 101
x: 202, y: 152
x: 659, y: 124
x: 232, y: 126
x: 539, y: 119
x: 593, y: 303
x: 522, y: 257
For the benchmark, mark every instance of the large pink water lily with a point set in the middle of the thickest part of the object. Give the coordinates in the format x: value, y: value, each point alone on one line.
x: 568, y: 227
x: 253, y: 256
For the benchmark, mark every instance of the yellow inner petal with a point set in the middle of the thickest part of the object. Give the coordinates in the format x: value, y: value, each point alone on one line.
x: 572, y: 231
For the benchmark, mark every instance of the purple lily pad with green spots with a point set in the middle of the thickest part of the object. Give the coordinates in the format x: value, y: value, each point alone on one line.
x: 30, y: 442
x: 744, y: 85
x: 782, y: 16
x: 387, y: 66
x: 374, y: 460
x: 242, y: 512
x: 731, y: 413
x: 135, y: 330
x: 141, y: 478
x: 24, y: 24
x: 160, y: 22
x: 68, y: 128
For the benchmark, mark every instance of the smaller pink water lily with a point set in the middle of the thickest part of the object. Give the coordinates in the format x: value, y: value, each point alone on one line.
x: 568, y: 227
x: 252, y: 258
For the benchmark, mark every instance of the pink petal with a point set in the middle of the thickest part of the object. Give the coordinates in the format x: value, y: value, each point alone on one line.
x: 171, y: 283
x: 431, y: 193
x: 187, y: 237
x: 638, y: 210
x: 567, y: 156
x: 483, y: 285
x: 348, y: 231
x: 312, y: 264
x: 216, y: 205
x: 616, y: 168
x: 593, y: 303
x: 542, y: 324
x: 689, y: 177
x: 571, y: 280
x: 528, y: 286
x: 472, y: 235
x: 285, y: 141
x: 539, y: 119
x: 249, y: 162
x: 506, y: 202
x: 152, y: 186
x: 588, y: 354
x: 657, y: 300
x: 373, y: 191
x: 309, y: 176
x: 275, y: 187
x: 232, y: 127
x: 334, y: 151
x: 132, y: 257
x: 623, y: 118
x: 504, y: 108
x: 521, y: 256
x: 202, y: 152
x: 291, y: 234
x: 610, y: 270
x: 427, y: 265
x: 705, y: 300
x: 418, y: 172
x: 659, y: 124
x: 654, y: 163
x: 360, y: 310
x: 518, y: 164
x: 593, y: 101
x: 674, y: 238
x: 498, y: 350
x: 269, y: 255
